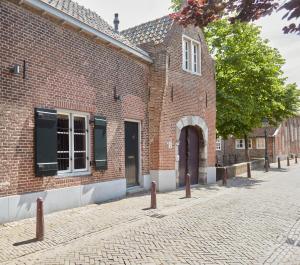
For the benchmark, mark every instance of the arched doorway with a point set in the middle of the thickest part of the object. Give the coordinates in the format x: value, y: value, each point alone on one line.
x: 190, y: 142
x: 188, y: 154
x: 191, y: 150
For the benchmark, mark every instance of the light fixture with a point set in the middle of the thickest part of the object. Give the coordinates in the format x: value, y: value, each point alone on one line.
x: 15, y: 69
x: 116, y: 96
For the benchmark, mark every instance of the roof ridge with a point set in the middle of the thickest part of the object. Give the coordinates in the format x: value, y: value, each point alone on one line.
x: 145, y: 23
x: 153, y: 31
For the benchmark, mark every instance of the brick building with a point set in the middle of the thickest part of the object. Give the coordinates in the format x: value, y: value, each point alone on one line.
x: 283, y: 141
x: 88, y: 112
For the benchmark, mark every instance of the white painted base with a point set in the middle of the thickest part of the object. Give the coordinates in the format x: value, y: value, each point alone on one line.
x: 145, y: 182
x: 165, y: 179
x: 211, y: 175
x: 18, y: 207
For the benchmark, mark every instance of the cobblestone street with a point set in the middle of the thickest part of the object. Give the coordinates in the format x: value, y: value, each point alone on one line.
x: 253, y: 221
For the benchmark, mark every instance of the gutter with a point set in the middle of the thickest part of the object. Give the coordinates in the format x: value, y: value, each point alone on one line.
x: 104, y: 37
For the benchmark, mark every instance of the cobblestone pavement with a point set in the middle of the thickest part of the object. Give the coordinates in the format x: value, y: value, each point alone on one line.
x: 253, y: 221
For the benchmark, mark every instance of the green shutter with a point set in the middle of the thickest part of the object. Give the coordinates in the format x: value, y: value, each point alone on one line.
x: 45, y: 142
x: 100, y: 143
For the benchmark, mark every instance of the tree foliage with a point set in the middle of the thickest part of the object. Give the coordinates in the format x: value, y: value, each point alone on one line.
x: 250, y: 83
x: 202, y: 12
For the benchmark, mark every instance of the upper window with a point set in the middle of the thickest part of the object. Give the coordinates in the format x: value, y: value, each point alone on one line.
x: 191, y: 59
x: 240, y: 144
x: 186, y: 55
x: 219, y: 144
x: 72, y: 142
x: 260, y: 143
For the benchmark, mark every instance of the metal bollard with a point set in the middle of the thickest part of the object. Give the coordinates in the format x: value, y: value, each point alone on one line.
x: 40, y: 219
x: 279, y: 163
x: 266, y: 165
x: 288, y: 161
x: 296, y: 159
x: 153, y: 195
x: 225, y: 176
x: 249, y: 170
x: 188, y: 185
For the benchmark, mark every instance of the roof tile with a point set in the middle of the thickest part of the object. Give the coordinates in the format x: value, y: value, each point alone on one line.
x: 90, y: 18
x: 152, y: 31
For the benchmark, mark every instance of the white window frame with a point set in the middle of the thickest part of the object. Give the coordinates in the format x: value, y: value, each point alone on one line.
x: 186, y: 52
x: 72, y: 171
x: 188, y: 55
x: 219, y: 144
x: 70, y: 139
x: 258, y: 146
x: 195, y: 58
x: 238, y: 143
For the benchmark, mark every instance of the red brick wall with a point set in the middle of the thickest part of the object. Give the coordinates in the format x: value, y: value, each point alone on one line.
x: 282, y: 144
x: 66, y: 70
x: 189, y: 97
x: 288, y: 137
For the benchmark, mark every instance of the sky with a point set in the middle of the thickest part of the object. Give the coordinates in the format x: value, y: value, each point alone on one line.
x: 134, y: 12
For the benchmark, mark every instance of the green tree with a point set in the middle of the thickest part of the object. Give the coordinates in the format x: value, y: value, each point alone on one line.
x: 176, y: 5
x: 250, y: 83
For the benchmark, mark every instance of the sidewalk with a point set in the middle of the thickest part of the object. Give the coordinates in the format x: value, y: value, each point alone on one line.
x: 65, y: 227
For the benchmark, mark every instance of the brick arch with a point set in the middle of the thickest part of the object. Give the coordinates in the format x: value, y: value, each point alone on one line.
x: 201, y: 124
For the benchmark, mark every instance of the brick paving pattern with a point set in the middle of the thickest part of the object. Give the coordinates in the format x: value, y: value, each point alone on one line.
x: 253, y: 221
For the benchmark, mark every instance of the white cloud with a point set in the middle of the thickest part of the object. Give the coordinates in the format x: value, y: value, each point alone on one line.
x: 287, y: 44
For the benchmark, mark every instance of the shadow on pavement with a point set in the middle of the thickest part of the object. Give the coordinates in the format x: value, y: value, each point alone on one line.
x: 273, y: 170
x: 242, y: 182
x: 33, y: 240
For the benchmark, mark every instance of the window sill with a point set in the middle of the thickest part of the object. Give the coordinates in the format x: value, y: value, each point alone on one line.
x: 192, y: 73
x: 75, y: 174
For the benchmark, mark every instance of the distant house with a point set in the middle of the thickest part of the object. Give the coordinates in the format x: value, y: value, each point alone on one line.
x: 88, y: 113
x: 282, y: 141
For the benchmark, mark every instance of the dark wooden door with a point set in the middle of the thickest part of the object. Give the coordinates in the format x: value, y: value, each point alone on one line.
x: 182, y: 156
x: 189, y: 155
x: 132, y: 153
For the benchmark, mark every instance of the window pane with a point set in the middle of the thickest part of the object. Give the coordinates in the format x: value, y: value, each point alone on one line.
x: 195, y: 52
x: 63, y: 142
x: 186, y: 55
x: 79, y: 143
x: 79, y: 160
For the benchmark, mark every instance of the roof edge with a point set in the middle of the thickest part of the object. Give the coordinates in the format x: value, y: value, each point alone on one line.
x: 73, y: 21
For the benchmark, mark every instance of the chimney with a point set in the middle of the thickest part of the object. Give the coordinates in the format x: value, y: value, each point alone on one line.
x: 116, y: 22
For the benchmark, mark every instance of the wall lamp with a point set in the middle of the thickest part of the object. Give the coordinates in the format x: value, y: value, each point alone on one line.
x: 116, y: 96
x: 15, y: 69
